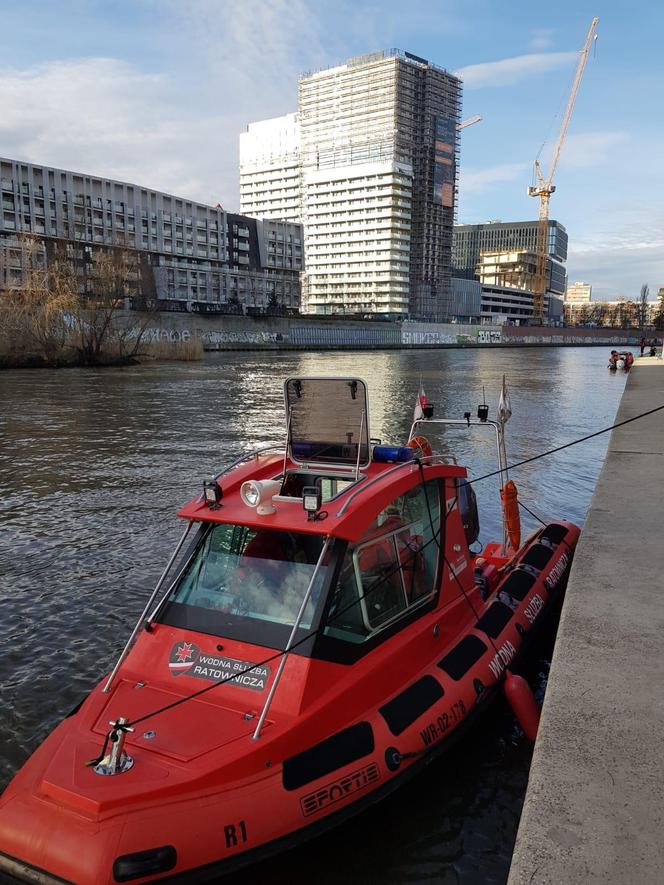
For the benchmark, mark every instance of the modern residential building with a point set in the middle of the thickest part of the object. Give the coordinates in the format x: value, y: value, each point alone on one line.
x: 270, y: 174
x: 378, y: 161
x: 579, y: 292
x: 191, y: 256
x: 471, y: 240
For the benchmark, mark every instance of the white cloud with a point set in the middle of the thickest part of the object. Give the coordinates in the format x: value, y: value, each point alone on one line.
x: 105, y: 117
x: 477, y: 181
x: 175, y: 131
x: 508, y: 71
x: 620, y: 257
x: 249, y: 55
x: 618, y: 269
x: 587, y: 149
x: 541, y: 39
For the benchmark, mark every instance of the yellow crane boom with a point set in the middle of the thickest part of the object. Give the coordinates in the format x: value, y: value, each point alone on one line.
x: 544, y: 187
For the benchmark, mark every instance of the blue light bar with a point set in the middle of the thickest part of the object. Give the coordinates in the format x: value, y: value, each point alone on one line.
x: 384, y: 454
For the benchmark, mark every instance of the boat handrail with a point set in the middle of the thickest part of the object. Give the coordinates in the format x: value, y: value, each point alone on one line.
x: 148, y: 606
x: 291, y: 638
x: 429, y: 459
x: 276, y: 447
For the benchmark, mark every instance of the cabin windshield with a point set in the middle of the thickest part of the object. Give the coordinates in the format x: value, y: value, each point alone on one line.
x: 247, y: 584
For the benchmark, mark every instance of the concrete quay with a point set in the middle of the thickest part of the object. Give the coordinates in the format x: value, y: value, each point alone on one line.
x: 594, y: 809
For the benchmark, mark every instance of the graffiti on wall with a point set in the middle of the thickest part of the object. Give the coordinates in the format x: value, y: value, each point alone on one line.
x: 420, y: 338
x: 168, y: 335
x: 250, y: 336
x: 489, y: 336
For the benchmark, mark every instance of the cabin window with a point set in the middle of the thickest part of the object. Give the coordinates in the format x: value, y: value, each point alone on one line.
x: 241, y: 578
x: 391, y: 570
x: 330, y: 485
x: 468, y: 508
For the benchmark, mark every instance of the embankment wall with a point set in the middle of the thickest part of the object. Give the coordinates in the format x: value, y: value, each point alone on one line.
x: 321, y: 333
x: 594, y: 809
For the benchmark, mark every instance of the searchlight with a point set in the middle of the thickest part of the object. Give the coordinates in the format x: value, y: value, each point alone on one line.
x: 259, y: 494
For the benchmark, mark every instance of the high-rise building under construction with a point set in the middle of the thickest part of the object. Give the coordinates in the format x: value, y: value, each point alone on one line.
x: 375, y: 145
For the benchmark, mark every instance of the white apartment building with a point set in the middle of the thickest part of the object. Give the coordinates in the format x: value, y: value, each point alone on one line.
x: 358, y: 239
x: 375, y: 142
x: 270, y: 169
x: 579, y: 292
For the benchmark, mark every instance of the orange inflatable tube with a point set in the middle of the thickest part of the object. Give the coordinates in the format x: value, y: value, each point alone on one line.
x: 509, y: 498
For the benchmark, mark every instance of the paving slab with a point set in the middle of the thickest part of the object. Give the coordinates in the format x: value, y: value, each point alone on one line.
x: 594, y: 808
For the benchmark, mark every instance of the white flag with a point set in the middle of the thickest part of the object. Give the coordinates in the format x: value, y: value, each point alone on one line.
x: 504, y: 405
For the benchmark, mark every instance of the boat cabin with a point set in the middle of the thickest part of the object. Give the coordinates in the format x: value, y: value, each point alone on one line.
x: 350, y: 526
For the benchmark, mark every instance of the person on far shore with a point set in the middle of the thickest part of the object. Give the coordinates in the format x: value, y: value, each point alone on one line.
x: 653, y: 347
x: 642, y: 344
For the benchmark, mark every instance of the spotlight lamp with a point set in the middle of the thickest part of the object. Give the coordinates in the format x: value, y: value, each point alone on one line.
x: 312, y: 498
x: 212, y: 494
x: 483, y: 412
x: 259, y: 493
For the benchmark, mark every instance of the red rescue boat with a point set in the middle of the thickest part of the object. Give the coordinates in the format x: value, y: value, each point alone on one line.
x: 321, y: 631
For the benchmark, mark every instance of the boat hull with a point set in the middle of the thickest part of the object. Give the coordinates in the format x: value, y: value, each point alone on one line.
x: 188, y: 822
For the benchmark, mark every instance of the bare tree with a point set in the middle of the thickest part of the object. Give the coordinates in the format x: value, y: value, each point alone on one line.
x: 112, y: 278
x: 643, y: 307
x: 35, y: 313
x: 597, y: 313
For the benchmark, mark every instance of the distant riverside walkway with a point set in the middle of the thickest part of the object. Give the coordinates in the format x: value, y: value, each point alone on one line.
x: 594, y: 809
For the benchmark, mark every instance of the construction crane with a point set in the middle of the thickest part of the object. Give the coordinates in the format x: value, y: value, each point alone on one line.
x: 544, y: 187
x: 469, y: 122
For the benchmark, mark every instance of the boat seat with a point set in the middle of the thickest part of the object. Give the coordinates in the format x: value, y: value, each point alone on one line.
x: 554, y: 533
x: 517, y: 584
x: 537, y: 556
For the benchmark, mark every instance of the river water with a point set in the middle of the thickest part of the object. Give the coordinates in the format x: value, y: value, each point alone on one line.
x: 93, y: 465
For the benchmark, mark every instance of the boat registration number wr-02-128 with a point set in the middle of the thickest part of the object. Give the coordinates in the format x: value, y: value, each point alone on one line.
x: 439, y: 728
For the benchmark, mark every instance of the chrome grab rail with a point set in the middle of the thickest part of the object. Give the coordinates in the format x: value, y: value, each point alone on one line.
x: 359, y: 449
x: 499, y: 428
x: 291, y: 638
x: 246, y: 457
x: 148, y: 605
x: 445, y: 459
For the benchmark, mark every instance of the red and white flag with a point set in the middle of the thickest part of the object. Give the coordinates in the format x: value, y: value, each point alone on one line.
x: 422, y: 401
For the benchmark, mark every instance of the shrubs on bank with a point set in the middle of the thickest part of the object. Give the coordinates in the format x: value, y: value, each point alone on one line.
x: 185, y: 351
x: 18, y: 350
x: 53, y: 319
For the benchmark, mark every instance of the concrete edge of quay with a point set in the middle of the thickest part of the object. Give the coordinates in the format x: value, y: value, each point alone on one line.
x: 594, y: 807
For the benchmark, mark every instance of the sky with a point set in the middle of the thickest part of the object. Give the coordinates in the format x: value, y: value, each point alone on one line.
x: 156, y: 92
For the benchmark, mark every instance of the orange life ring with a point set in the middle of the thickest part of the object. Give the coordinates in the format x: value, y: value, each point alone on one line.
x: 421, y: 446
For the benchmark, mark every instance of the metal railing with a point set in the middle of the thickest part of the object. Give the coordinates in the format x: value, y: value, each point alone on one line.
x: 291, y: 640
